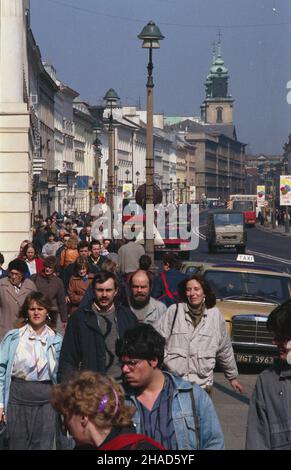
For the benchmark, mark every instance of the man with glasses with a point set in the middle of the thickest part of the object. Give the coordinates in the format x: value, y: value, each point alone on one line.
x: 13, y: 291
x: 181, y: 416
x: 269, y: 417
x: 92, y: 331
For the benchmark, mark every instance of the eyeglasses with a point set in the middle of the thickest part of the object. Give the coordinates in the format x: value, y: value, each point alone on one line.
x: 131, y: 364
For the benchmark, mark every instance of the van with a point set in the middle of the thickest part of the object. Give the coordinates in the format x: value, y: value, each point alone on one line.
x: 226, y: 229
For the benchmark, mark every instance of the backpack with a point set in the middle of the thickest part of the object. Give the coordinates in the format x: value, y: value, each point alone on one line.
x: 125, y: 440
x: 168, y: 298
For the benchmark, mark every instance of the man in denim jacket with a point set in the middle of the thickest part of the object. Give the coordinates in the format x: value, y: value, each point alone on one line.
x: 179, y: 415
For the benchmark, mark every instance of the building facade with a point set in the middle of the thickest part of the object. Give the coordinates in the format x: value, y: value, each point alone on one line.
x: 16, y: 136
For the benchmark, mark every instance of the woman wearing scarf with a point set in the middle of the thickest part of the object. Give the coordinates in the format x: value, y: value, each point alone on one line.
x: 196, y: 336
x: 29, y: 361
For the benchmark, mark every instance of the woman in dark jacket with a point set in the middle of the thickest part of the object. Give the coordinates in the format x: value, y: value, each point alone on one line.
x: 165, y: 285
x: 49, y: 284
x: 79, y: 282
x: 34, y: 263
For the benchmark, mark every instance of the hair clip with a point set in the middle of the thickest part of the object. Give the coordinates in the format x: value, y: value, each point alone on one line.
x: 103, y: 403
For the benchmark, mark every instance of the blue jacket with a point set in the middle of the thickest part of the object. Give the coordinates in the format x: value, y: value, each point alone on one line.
x: 210, y: 432
x: 8, y: 349
x: 173, y: 278
x: 4, y: 274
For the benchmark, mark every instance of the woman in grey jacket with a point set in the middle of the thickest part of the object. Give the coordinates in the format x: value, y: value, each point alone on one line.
x: 196, y: 336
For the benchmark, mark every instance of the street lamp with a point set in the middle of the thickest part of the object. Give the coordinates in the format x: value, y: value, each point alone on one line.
x: 273, y: 195
x: 137, y: 176
x: 150, y: 35
x: 111, y: 100
x: 97, y: 155
x: 127, y: 173
x: 116, y: 181
x: 171, y: 189
x: 178, y: 190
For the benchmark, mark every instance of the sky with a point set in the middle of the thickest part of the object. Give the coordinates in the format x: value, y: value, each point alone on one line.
x: 93, y: 45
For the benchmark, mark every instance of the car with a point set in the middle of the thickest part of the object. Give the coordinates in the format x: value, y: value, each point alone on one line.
x: 246, y: 294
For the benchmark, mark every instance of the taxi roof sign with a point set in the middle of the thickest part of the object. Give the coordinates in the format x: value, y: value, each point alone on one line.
x: 246, y: 258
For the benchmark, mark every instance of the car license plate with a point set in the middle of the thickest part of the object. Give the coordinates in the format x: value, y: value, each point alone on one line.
x: 229, y: 246
x: 258, y: 359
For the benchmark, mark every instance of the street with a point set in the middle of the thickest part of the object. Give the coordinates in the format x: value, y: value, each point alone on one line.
x: 268, y: 248
x: 232, y: 408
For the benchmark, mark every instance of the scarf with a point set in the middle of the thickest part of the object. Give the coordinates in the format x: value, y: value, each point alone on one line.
x: 40, y: 342
x: 196, y: 313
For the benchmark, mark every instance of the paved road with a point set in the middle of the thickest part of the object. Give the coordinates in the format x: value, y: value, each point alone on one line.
x: 232, y: 408
x: 267, y: 247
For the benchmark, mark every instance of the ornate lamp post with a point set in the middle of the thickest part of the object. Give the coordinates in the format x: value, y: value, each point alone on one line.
x: 137, y: 176
x: 97, y: 155
x: 127, y: 174
x: 111, y: 100
x: 116, y: 180
x: 150, y: 35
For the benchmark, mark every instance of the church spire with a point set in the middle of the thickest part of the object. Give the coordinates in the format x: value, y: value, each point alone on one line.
x: 217, y: 107
x: 219, y: 44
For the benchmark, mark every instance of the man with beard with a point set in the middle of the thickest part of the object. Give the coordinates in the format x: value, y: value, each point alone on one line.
x: 146, y: 308
x: 91, y: 333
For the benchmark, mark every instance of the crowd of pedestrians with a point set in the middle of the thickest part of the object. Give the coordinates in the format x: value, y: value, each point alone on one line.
x: 133, y: 351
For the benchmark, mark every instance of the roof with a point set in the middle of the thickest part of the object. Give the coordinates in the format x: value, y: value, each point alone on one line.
x: 224, y: 129
x: 248, y: 267
x: 189, y: 125
x: 224, y: 211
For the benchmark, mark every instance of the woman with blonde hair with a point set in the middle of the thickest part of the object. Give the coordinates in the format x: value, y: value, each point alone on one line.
x: 95, y: 414
x: 70, y: 253
x: 29, y: 361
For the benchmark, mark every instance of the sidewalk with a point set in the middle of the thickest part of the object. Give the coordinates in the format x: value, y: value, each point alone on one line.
x: 279, y: 230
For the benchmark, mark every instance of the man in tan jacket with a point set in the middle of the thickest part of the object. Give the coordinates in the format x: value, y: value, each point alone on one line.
x: 13, y: 292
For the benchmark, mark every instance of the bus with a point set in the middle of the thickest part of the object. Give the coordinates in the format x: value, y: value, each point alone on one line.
x: 245, y: 203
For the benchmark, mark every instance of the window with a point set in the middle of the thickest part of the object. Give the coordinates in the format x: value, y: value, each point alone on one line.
x: 219, y: 114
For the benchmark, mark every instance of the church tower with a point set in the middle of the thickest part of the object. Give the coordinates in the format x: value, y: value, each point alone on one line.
x: 217, y: 107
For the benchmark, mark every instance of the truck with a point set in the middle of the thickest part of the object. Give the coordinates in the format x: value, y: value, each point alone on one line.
x: 245, y: 203
x: 226, y: 229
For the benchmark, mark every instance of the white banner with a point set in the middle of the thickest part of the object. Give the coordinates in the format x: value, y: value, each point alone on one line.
x: 261, y: 195
x: 285, y: 190
x: 127, y: 190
